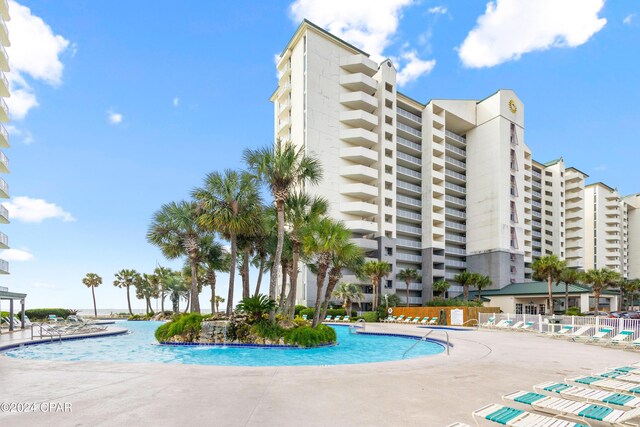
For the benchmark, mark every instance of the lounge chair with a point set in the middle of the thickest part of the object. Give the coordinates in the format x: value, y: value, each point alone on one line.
x: 603, y: 383
x: 345, y: 319
x: 504, y: 324
x: 571, y: 392
x: 512, y: 417
x: 626, y: 369
x: 579, y: 332
x: 632, y: 345
x: 304, y: 317
x: 598, y: 336
x: 54, y: 318
x: 388, y: 319
x: 328, y: 318
x: 425, y: 320
x: 433, y: 321
x: 564, y: 330
x: 632, y: 377
x: 337, y: 319
x: 563, y: 407
x: 621, y: 338
x: 491, y: 322
x: 399, y: 319
x: 408, y: 319
x: 416, y: 319
x: 516, y: 325
x: 528, y: 326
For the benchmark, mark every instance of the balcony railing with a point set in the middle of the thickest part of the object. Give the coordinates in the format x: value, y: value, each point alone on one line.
x: 456, y: 251
x: 455, y: 136
x: 455, y: 212
x: 455, y: 149
x: 409, y: 158
x: 454, y: 199
x: 408, y: 186
x: 453, y: 161
x: 455, y: 238
x: 4, y: 240
x: 409, y: 229
x: 455, y: 225
x: 410, y: 144
x: 401, y: 213
x: 4, y: 267
x: 457, y: 175
x: 4, y: 187
x: 536, y: 174
x: 409, y: 243
x: 4, y: 213
x: 408, y: 257
x: 455, y: 187
x: 404, y: 113
x: 454, y: 263
x: 4, y: 160
x: 410, y: 130
x: 407, y: 171
x: 408, y: 200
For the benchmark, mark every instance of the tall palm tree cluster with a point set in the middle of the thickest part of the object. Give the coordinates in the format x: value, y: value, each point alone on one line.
x: 553, y: 270
x: 274, y: 237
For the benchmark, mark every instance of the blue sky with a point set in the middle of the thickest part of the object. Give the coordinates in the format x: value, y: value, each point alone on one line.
x: 119, y: 107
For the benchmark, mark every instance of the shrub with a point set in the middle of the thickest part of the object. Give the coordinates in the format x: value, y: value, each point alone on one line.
x: 43, y: 313
x: 370, y: 316
x: 573, y: 311
x: 187, y: 325
x: 298, y: 309
x: 140, y: 317
x: 440, y: 302
x: 306, y: 336
x: 268, y: 330
x: 332, y: 311
x: 256, y: 307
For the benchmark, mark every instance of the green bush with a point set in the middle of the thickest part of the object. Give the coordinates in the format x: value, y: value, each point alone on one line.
x: 332, y: 311
x: 370, y: 316
x: 269, y: 330
x: 306, y: 336
x: 187, y: 325
x: 456, y: 302
x: 140, y: 317
x: 299, y: 308
x: 573, y: 311
x: 43, y: 313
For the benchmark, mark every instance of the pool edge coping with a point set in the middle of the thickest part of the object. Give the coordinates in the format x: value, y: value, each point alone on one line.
x: 6, y: 347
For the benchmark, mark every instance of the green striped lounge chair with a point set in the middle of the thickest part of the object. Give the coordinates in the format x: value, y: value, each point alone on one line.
x: 345, y: 319
x: 399, y: 319
x: 563, y: 332
x: 603, y: 383
x: 513, y: 417
x: 388, y: 319
x: 416, y: 320
x: 328, y: 318
x: 625, y: 401
x: 433, y: 321
x: 580, y: 332
x: 622, y: 337
x: 504, y: 324
x: 408, y: 319
x: 516, y: 325
x: 569, y: 408
x: 621, y: 376
x: 337, y: 319
x: 599, y: 336
x: 632, y: 345
x: 528, y: 326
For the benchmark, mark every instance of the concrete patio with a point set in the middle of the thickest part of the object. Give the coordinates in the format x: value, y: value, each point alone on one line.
x: 432, y: 391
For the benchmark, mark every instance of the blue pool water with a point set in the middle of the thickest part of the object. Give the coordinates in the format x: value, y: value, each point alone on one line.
x: 141, y: 346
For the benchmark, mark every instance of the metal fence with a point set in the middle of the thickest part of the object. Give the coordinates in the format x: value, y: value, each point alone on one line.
x: 547, y: 324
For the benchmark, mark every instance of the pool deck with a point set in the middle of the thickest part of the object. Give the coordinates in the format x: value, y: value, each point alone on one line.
x: 431, y: 391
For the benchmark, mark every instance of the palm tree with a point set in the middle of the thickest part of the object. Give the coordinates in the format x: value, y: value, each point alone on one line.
x: 345, y: 256
x: 441, y: 287
x: 568, y: 276
x: 176, y: 232
x: 320, y: 241
x: 481, y: 282
x: 176, y: 287
x: 599, y: 280
x: 92, y: 280
x: 218, y: 300
x: 549, y: 267
x: 282, y: 168
x: 300, y: 210
x: 261, y: 242
x: 124, y: 279
x: 376, y: 271
x: 147, y: 287
x: 214, y: 258
x: 465, y: 279
x: 408, y: 275
x: 228, y: 203
x: 348, y: 293
x: 162, y: 273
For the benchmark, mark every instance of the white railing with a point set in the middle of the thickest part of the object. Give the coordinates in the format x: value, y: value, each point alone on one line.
x: 536, y: 203
x: 409, y: 158
x: 408, y: 214
x: 537, y: 234
x: 453, y: 161
x: 536, y: 193
x: 536, y: 253
x: 410, y: 130
x: 408, y: 200
x: 4, y: 186
x: 453, y: 263
x: 407, y: 171
x: 455, y: 149
x: 408, y: 228
x: 4, y: 159
x: 454, y: 199
x: 455, y: 136
x: 453, y: 174
x: 4, y: 133
x: 407, y: 114
x: 536, y: 174
x: 455, y: 238
x: 452, y: 250
x: 4, y: 212
x: 408, y: 257
x: 455, y: 225
x: 410, y: 144
x: 4, y: 265
x: 456, y: 187
x: 4, y: 239
x: 455, y: 212
x: 409, y: 186
x: 409, y: 243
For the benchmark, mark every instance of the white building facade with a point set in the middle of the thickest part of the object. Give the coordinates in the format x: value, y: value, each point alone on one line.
x: 4, y: 117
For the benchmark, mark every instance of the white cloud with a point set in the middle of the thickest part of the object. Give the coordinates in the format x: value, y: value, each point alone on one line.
x: 368, y: 25
x: 42, y: 285
x: 35, y: 54
x: 438, y: 10
x: 510, y: 28
x: 31, y: 210
x: 16, y: 255
x: 629, y: 18
x: 114, y: 118
x: 600, y: 168
x: 176, y: 102
x: 413, y: 67
x: 24, y: 134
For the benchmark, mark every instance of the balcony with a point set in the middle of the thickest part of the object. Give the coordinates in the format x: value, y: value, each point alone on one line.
x: 359, y: 64
x: 412, y: 300
x: 536, y: 174
x: 4, y: 59
x: 456, y: 189
x: 4, y: 267
x: 417, y: 176
x: 359, y: 155
x: 285, y: 89
x: 359, y: 190
x: 455, y: 137
x: 408, y: 201
x: 408, y: 257
x: 359, y: 118
x: 408, y: 244
x: 452, y: 225
x: 4, y: 241
x: 401, y: 285
x: 361, y: 226
x: 4, y: 189
x: 452, y: 250
x: 284, y: 124
x: 284, y: 107
x: 408, y: 115
x: 359, y: 208
x: 408, y: 159
x: 366, y: 244
x: 455, y: 164
x: 409, y: 144
x: 455, y: 151
x: 285, y: 71
x: 4, y: 111
x: 413, y: 216
x: 4, y: 34
x: 4, y: 137
x: 412, y: 188
x: 412, y: 134
x: 359, y: 82
x: 455, y: 212
x: 359, y: 101
x: 4, y: 215
x: 455, y: 238
x: 359, y: 173
x: 455, y: 264
x: 456, y: 177
x: 455, y: 201
x: 4, y: 163
x: 409, y: 229
x: 361, y: 137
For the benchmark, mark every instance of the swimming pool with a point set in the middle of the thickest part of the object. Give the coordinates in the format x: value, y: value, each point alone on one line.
x: 141, y: 346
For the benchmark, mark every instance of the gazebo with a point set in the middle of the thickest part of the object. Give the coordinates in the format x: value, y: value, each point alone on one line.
x: 11, y: 297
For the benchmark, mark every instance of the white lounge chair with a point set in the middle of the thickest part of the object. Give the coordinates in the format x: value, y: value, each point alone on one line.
x: 622, y: 337
x: 513, y: 417
x: 491, y: 321
x: 528, y: 326
x: 603, y: 383
x: 563, y: 332
x: 516, y: 325
x: 598, y: 336
x: 579, y: 332
x: 504, y: 324
x: 625, y: 401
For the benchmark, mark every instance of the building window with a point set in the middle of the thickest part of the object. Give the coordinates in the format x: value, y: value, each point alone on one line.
x: 389, y: 284
x: 513, y: 257
x: 518, y: 308
x: 388, y: 87
x: 389, y: 251
x: 541, y: 309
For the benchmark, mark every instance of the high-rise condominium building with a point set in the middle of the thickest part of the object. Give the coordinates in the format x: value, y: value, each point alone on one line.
x: 440, y: 187
x: 4, y: 117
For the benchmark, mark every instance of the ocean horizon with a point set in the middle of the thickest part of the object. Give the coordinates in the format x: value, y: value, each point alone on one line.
x: 110, y: 311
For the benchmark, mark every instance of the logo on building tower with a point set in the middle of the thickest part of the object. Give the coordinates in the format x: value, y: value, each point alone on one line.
x: 512, y: 106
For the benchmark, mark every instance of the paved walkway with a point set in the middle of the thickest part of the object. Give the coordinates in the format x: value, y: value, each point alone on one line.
x: 432, y: 391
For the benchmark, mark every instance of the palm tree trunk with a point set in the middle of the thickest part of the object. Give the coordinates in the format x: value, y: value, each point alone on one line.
x: 566, y: 297
x: 322, y: 272
x: 245, y: 274
x: 232, y: 274
x: 283, y: 290
x: 465, y: 292
x: 162, y: 297
x: 129, y: 301
x: 195, y: 302
x: 213, y: 291
x: 349, y: 307
x: 259, y: 281
x: 294, y: 278
x: 273, y: 279
x: 188, y: 304
x: 95, y: 310
x: 550, y: 294
x: 480, y: 295
x: 334, y: 277
x: 596, y: 295
x: 175, y: 301
x: 407, y: 282
x: 374, y: 303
